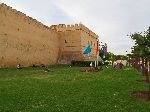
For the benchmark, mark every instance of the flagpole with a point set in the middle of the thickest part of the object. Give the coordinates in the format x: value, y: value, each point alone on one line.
x: 97, y: 59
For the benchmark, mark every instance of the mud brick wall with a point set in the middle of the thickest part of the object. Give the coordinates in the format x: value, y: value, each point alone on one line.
x: 24, y: 40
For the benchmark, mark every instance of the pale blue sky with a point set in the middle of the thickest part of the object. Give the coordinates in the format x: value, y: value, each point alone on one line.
x: 112, y: 20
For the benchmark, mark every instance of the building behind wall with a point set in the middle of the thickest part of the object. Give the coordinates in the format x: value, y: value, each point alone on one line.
x: 25, y: 41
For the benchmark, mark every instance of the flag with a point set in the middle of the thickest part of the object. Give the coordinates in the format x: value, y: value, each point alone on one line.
x: 87, y: 50
x: 97, y: 47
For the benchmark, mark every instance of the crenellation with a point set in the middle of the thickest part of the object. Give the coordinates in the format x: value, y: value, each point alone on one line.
x: 87, y: 30
x: 72, y: 25
x: 9, y: 8
x: 53, y: 27
x: 14, y: 10
x: 63, y: 27
x: 76, y: 25
x: 59, y: 26
x: 68, y: 26
x: 80, y: 26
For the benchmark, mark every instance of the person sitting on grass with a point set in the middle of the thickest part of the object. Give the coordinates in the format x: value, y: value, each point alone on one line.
x: 46, y: 69
x: 91, y: 64
x: 114, y: 65
x: 18, y: 66
x: 117, y: 66
x: 121, y: 65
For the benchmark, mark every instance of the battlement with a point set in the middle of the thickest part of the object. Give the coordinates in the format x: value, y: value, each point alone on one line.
x: 4, y: 9
x: 87, y: 30
x: 63, y: 28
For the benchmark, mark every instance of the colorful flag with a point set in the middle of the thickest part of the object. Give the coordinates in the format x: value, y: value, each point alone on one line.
x: 97, y: 53
x: 87, y: 50
x: 97, y: 47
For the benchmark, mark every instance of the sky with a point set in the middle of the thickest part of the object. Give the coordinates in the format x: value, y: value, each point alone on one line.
x: 111, y: 20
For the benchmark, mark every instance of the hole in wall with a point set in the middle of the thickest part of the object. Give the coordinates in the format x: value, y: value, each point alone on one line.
x: 5, y: 34
x: 65, y: 41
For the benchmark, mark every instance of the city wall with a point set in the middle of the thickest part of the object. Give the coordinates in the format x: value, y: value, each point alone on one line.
x: 25, y: 41
x: 74, y: 39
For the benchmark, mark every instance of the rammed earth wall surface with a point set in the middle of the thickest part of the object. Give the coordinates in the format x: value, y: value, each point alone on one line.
x: 25, y: 41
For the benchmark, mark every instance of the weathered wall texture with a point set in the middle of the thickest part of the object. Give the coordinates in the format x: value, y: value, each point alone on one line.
x: 88, y: 38
x: 24, y: 40
x: 70, y: 46
x: 70, y: 42
x: 74, y: 39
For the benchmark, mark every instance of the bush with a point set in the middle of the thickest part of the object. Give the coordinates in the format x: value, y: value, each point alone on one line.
x: 87, y: 63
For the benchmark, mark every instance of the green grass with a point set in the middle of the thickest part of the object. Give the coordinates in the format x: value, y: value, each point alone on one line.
x: 67, y: 89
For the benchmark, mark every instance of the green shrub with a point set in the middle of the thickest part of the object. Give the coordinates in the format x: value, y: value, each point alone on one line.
x: 87, y: 63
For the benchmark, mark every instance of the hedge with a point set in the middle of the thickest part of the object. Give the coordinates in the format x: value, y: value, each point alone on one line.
x: 87, y: 63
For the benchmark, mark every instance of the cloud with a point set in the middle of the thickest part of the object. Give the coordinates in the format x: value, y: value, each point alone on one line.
x: 45, y: 12
x: 112, y: 20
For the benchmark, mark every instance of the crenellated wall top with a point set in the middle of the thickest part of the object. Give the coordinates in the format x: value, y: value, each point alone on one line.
x: 72, y: 27
x: 59, y: 28
x: 7, y: 9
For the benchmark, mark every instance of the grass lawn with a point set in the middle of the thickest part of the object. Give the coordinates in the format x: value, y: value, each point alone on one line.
x: 66, y: 89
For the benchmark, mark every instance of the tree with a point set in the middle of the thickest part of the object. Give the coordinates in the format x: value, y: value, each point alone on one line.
x: 141, y: 50
x: 129, y: 58
x: 103, y: 51
x: 111, y: 57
